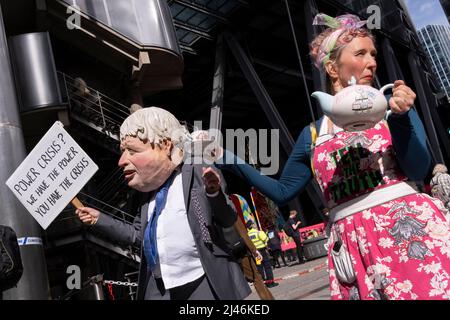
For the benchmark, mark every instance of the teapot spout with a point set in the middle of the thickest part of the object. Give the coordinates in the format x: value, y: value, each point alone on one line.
x: 325, y: 101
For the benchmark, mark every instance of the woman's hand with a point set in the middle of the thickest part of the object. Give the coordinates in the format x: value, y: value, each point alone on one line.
x: 402, y: 97
x: 88, y: 216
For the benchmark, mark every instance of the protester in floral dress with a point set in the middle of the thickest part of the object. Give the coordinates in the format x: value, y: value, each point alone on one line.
x: 387, y: 240
x: 400, y: 248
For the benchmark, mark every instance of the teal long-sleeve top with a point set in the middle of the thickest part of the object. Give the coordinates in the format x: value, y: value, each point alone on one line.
x: 408, y: 139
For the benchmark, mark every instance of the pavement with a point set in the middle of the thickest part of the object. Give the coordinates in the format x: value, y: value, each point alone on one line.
x: 308, y: 281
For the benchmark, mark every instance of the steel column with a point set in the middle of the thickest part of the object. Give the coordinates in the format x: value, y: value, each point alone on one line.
x: 260, y: 92
x: 425, y: 99
x: 34, y: 282
x: 392, y: 67
x: 272, y: 114
x: 395, y: 73
x: 215, y: 121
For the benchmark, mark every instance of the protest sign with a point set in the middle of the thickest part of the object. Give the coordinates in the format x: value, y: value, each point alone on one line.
x: 51, y: 175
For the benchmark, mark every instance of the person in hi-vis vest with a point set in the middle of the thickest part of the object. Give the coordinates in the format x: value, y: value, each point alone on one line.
x: 260, y: 239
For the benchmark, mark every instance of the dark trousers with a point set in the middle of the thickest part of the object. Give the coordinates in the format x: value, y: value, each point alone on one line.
x: 265, y: 267
x: 289, y: 254
x: 275, y: 255
x: 299, y: 249
x: 199, y: 289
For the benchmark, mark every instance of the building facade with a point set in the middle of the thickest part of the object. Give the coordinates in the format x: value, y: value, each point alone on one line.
x: 436, y: 41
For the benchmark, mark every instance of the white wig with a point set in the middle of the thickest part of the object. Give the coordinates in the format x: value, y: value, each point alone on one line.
x: 155, y: 125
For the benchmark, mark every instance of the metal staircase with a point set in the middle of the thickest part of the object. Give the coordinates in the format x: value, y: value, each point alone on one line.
x: 87, y: 107
x: 99, y: 112
x: 66, y: 228
x: 93, y: 108
x: 113, y: 185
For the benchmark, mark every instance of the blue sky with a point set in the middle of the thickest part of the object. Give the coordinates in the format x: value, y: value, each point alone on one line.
x: 424, y: 12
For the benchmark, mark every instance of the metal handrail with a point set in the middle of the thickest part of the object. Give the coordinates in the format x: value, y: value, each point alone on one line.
x: 116, y: 175
x: 109, y: 101
x: 96, y: 108
x: 106, y: 208
x: 91, y: 104
x: 111, y: 211
x: 110, y: 193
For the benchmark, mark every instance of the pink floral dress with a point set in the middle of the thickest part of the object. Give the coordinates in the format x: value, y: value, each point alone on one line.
x: 399, y: 248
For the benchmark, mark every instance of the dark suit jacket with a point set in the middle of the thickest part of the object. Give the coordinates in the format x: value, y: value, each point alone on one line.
x: 224, y: 274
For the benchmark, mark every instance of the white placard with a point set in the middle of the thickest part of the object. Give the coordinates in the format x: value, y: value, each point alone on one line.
x: 51, y: 175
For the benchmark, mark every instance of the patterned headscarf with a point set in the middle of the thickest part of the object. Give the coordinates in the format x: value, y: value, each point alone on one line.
x: 341, y: 24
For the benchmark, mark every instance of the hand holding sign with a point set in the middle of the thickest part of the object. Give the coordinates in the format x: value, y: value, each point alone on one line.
x: 52, y: 175
x: 76, y: 203
x: 88, y: 216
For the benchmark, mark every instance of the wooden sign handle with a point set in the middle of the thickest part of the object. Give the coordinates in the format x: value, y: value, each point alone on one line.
x: 77, y: 203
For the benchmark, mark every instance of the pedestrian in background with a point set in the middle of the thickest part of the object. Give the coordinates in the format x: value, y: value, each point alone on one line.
x: 274, y: 246
x: 260, y: 239
x: 291, y: 228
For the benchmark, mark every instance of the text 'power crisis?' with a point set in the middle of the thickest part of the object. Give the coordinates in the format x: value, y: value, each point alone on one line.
x: 51, y: 175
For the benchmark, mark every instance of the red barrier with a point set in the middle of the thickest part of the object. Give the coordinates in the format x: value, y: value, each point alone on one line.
x: 310, y: 232
x: 313, y: 231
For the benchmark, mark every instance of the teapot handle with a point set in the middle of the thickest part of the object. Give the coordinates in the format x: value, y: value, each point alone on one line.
x: 384, y: 88
x: 388, y: 86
